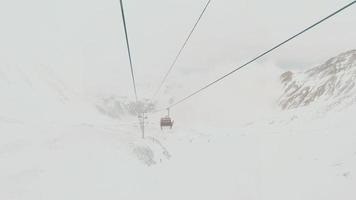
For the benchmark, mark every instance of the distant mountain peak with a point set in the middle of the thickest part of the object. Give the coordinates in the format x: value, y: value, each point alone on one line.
x: 332, y: 83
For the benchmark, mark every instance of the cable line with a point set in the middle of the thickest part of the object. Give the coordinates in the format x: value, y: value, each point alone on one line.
x: 262, y: 54
x: 128, y: 50
x: 181, y: 50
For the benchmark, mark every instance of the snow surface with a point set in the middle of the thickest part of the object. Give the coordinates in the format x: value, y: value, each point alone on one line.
x: 228, y: 143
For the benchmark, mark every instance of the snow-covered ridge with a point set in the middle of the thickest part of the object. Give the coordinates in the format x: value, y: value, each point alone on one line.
x: 118, y: 107
x: 330, y: 84
x: 37, y: 93
x: 40, y: 80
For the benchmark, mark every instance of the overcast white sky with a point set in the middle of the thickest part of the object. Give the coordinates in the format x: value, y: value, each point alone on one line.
x: 87, y: 35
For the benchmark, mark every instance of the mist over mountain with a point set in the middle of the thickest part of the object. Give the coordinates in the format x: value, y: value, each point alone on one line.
x: 58, y: 143
x: 79, y: 118
x: 40, y: 91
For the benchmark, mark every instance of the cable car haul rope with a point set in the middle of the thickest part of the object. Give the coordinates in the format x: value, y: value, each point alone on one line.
x: 166, y: 121
x: 128, y: 49
x: 261, y: 55
x: 181, y: 50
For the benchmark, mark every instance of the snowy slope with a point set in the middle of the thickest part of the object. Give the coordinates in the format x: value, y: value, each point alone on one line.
x: 55, y: 144
x: 35, y: 93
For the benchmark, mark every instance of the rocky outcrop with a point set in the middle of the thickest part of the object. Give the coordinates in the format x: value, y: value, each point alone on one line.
x: 332, y: 83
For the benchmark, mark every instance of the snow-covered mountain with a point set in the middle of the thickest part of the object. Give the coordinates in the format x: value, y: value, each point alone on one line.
x: 55, y: 144
x: 329, y: 85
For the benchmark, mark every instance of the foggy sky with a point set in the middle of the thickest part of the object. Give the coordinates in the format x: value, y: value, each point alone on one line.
x: 83, y: 40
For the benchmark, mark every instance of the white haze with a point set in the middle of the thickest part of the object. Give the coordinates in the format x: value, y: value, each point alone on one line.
x: 61, y: 60
x: 83, y: 41
x: 245, y: 96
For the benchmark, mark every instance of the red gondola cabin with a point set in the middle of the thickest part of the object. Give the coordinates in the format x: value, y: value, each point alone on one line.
x: 166, y: 122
